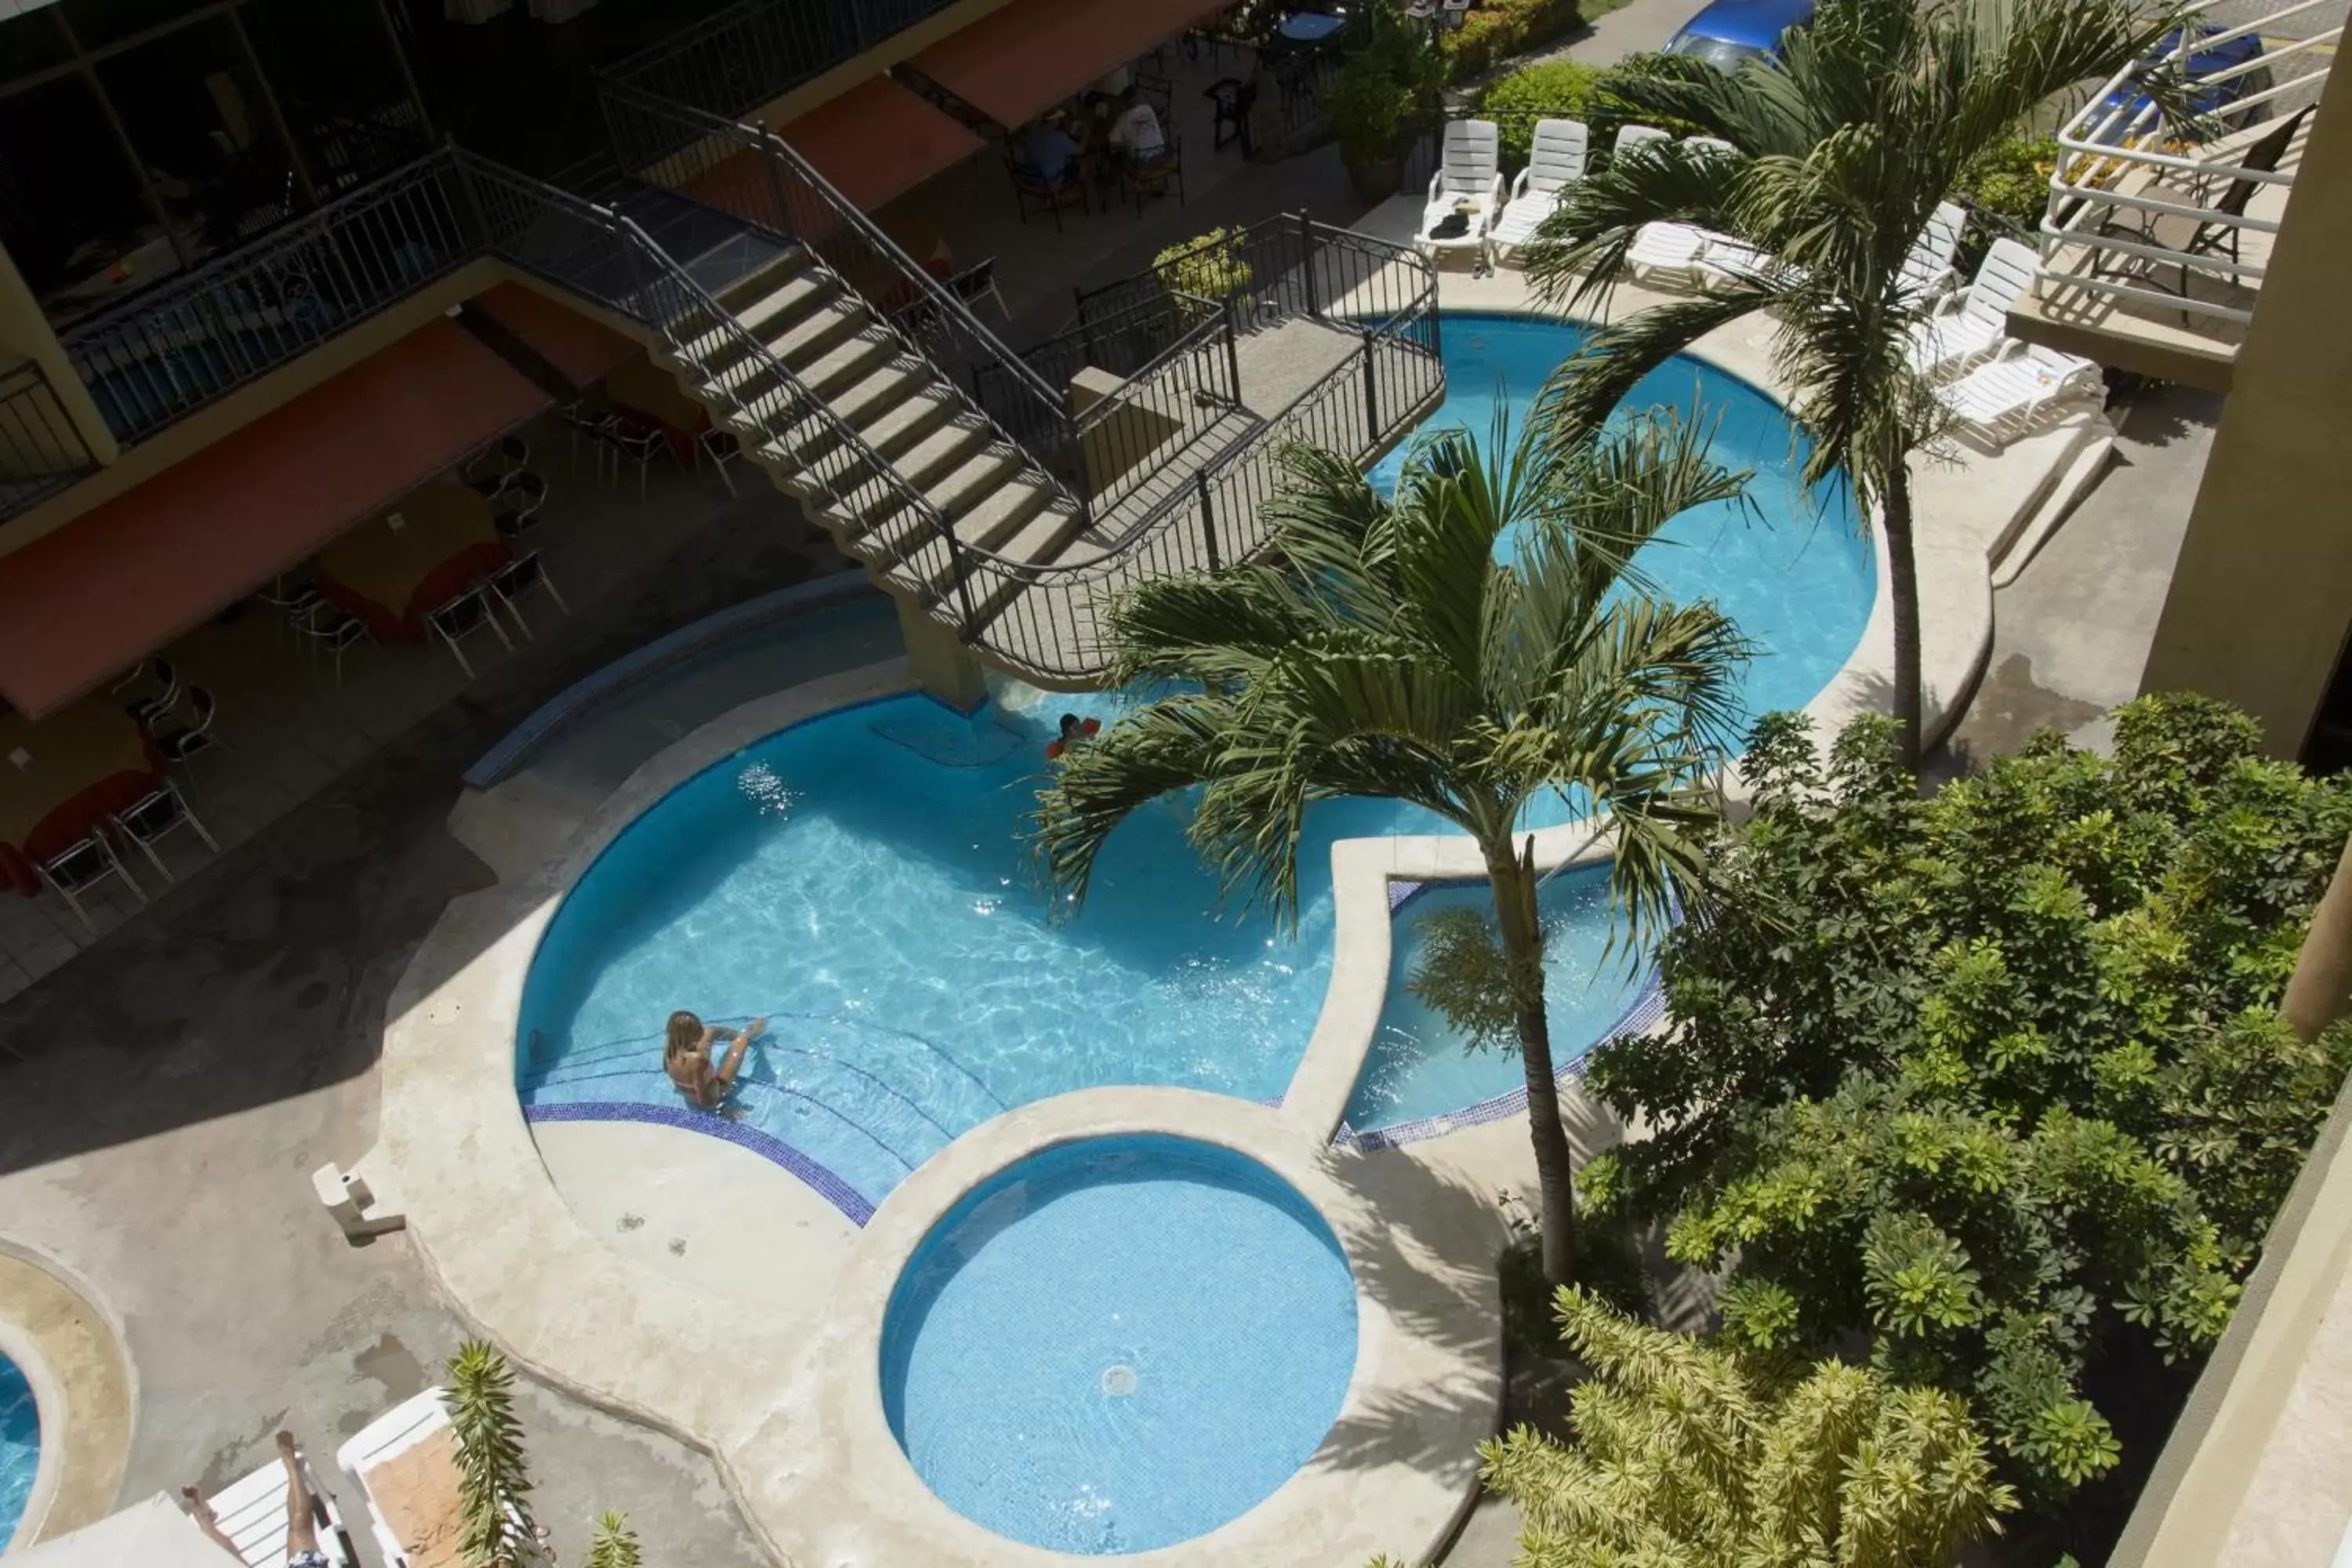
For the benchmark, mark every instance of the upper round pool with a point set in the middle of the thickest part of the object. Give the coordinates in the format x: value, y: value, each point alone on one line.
x: 860, y: 881
x: 1118, y: 1344
x: 20, y: 1446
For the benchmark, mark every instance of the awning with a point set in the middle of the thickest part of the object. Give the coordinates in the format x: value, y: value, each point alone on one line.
x: 1012, y: 64
x: 84, y: 603
x: 873, y: 142
x: 582, y: 351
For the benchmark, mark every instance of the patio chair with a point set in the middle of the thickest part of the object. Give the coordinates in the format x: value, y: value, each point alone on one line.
x: 978, y: 282
x: 515, y: 510
x: 512, y: 454
x: 1927, y: 268
x: 194, y: 735
x: 1555, y: 161
x: 145, y: 822
x: 251, y: 1509
x: 1727, y: 259
x: 2218, y: 235
x: 1678, y: 248
x: 585, y: 417
x: 1632, y: 136
x: 633, y: 440
x: 1230, y: 98
x: 404, y: 1463
x: 1068, y: 189
x: 159, y: 701
x: 721, y: 446
x: 296, y: 604
x: 1978, y: 325
x: 1469, y: 168
x: 518, y: 580
x: 77, y: 868
x: 2000, y: 399
x: 461, y: 619
x: 333, y: 635
x: 1147, y: 178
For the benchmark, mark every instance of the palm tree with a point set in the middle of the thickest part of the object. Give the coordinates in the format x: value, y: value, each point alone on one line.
x: 1385, y: 652
x: 1843, y: 151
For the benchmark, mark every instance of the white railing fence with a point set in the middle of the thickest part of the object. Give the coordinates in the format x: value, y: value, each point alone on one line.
x: 2122, y: 170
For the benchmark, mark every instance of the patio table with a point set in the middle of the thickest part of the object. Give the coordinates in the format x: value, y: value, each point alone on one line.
x: 61, y: 776
x: 1474, y: 240
x: 395, y: 567
x: 651, y: 394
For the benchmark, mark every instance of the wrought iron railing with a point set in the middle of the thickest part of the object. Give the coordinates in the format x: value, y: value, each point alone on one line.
x: 158, y: 357
x: 41, y: 452
x: 734, y: 61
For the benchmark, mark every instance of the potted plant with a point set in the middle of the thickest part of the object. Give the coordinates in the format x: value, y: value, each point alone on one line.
x: 1369, y: 108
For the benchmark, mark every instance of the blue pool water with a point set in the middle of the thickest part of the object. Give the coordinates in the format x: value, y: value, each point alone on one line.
x: 1118, y: 1344
x: 1788, y: 567
x: 1418, y: 1067
x: 860, y: 882
x: 20, y: 1446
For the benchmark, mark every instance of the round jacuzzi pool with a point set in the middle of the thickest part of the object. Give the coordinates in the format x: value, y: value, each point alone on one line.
x: 1118, y: 1344
x: 20, y: 1446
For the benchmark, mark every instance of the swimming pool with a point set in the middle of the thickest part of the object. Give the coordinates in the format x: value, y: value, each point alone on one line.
x: 20, y: 1446
x: 1118, y: 1344
x: 859, y: 880
x: 1418, y: 1070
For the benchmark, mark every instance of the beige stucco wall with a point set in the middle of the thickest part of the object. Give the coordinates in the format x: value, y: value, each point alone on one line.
x: 2262, y: 594
x: 25, y: 331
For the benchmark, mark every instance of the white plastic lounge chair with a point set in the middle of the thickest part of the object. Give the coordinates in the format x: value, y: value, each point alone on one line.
x: 1555, y: 161
x: 1714, y: 145
x: 1979, y: 324
x: 413, y: 1526
x: 1928, y: 270
x: 1999, y: 400
x: 1678, y: 249
x: 1471, y: 171
x: 1632, y: 136
x: 251, y: 1511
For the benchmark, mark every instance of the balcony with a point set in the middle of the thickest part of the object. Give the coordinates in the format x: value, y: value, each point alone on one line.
x: 755, y: 52
x: 2154, y: 243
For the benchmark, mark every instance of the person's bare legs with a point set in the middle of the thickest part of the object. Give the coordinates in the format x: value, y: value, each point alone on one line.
x: 301, y: 1517
x: 725, y: 1077
x: 202, y: 1512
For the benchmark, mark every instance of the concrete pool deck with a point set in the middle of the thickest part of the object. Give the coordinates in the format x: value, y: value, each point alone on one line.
x: 592, y: 1257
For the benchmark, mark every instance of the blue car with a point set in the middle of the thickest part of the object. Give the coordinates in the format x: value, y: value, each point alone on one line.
x: 2207, y: 60
x: 1730, y: 33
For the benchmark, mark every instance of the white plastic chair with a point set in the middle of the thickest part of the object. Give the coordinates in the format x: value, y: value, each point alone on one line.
x: 2000, y: 399
x: 1555, y: 161
x: 1632, y: 136
x: 1676, y: 248
x: 251, y: 1511
x: 1928, y: 270
x: 1469, y: 170
x: 1979, y: 325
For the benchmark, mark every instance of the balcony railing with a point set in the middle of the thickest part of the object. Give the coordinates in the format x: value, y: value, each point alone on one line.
x: 2142, y: 216
x: 41, y: 453
x: 155, y: 359
x: 750, y: 53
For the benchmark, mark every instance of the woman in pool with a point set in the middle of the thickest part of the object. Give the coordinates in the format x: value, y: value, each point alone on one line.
x: 686, y: 1056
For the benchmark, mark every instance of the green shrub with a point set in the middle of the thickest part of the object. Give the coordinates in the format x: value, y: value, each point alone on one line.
x: 2011, y: 179
x: 1210, y: 265
x: 1552, y: 89
x: 1391, y: 80
x: 1500, y: 28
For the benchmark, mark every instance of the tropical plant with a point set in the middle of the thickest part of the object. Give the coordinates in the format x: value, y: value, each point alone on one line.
x: 2010, y: 181
x: 615, y: 1545
x: 1494, y: 32
x: 1688, y: 1454
x: 1843, y: 149
x: 493, y: 1481
x: 1382, y: 650
x: 1997, y: 1076
x: 1390, y: 80
x: 1553, y: 89
x: 1210, y: 267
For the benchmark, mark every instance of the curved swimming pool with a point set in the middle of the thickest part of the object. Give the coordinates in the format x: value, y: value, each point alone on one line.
x: 1118, y: 1344
x: 860, y: 881
x: 20, y: 1446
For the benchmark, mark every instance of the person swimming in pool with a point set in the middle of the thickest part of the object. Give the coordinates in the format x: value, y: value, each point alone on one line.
x: 686, y: 1056
x: 1076, y: 733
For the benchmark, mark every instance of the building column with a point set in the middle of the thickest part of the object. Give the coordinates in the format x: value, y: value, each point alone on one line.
x: 2261, y: 599
x: 24, y: 329
x: 938, y: 660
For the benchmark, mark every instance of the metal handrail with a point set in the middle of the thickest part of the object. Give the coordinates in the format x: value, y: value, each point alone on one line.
x: 808, y: 36
x: 41, y: 451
